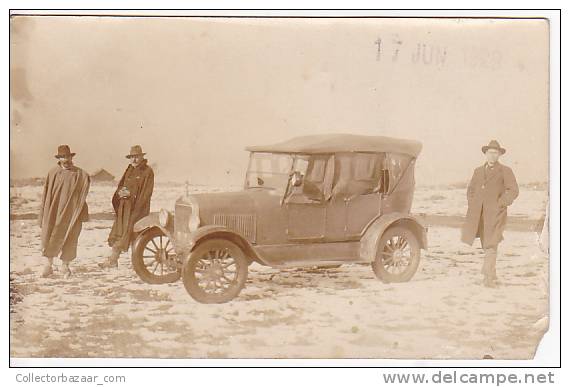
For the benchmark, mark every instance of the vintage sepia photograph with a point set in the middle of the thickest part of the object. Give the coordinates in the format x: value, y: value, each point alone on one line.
x: 210, y: 187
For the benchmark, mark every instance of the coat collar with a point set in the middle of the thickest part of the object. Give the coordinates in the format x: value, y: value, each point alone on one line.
x: 73, y: 168
x: 141, y: 165
x: 497, y: 165
x: 491, y: 173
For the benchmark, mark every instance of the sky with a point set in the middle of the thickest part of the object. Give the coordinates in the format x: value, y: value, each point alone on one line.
x: 194, y: 92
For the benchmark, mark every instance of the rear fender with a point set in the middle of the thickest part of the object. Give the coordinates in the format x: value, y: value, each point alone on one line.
x: 371, y: 237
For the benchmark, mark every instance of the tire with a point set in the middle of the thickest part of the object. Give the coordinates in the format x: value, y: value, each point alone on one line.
x: 390, y: 265
x: 205, y: 273
x: 153, y: 254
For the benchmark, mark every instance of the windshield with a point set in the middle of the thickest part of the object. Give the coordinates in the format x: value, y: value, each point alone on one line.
x: 268, y: 170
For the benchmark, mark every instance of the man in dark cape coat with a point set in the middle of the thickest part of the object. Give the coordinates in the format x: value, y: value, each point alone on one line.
x: 131, y: 202
x: 491, y: 190
x: 63, y: 209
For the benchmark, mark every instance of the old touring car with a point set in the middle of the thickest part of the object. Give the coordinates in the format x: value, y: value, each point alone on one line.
x: 318, y: 200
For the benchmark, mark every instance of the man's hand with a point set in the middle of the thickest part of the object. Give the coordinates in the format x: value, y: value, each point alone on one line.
x: 502, y: 203
x: 124, y: 193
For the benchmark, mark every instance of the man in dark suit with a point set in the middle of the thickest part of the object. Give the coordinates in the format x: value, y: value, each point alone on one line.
x: 131, y: 203
x: 492, y: 189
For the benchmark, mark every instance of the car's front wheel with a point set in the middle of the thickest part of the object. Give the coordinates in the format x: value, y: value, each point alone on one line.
x: 397, y: 256
x: 154, y: 258
x: 215, y: 272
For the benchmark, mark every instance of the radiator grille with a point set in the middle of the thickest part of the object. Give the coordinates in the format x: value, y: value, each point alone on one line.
x: 242, y: 224
x: 181, y: 216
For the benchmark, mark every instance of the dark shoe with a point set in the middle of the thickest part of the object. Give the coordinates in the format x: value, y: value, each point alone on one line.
x: 109, y: 264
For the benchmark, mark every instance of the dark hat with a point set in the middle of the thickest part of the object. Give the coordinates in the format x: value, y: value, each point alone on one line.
x: 493, y: 144
x: 136, y: 150
x: 63, y: 151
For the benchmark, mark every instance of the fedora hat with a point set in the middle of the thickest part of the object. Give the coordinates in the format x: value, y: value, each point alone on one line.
x: 136, y: 150
x: 63, y: 151
x: 493, y: 144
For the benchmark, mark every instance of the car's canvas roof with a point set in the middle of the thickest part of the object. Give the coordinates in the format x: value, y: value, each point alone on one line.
x: 336, y: 143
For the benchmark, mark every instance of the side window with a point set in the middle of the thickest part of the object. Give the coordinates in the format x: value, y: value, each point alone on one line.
x: 301, y: 165
x: 316, y: 170
x: 366, y: 167
x: 357, y: 174
x: 316, y: 186
x: 396, y: 164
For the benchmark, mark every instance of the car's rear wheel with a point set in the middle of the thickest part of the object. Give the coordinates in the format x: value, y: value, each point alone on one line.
x: 215, y: 272
x: 397, y: 256
x: 154, y: 258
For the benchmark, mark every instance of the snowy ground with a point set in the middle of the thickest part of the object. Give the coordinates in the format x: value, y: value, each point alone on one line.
x: 444, y: 312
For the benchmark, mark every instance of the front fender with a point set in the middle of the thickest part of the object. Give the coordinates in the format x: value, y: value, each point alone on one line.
x: 203, y: 232
x: 375, y: 230
x: 151, y: 221
x: 214, y: 231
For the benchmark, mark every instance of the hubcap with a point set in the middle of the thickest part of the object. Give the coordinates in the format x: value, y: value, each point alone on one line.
x: 396, y: 255
x: 216, y: 271
x: 159, y: 256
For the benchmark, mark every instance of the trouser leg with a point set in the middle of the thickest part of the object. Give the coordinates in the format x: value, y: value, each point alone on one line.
x: 489, y: 268
x: 115, y: 252
x: 493, y: 264
x: 69, y: 249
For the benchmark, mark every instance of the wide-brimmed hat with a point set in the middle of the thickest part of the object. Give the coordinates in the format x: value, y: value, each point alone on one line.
x: 136, y: 150
x: 493, y: 144
x: 63, y: 151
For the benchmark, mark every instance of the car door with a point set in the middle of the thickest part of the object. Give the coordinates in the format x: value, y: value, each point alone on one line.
x: 356, y: 199
x: 360, y: 210
x: 306, y: 220
x: 307, y: 204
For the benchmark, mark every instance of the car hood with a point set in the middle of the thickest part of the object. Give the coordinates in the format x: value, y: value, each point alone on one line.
x: 248, y: 202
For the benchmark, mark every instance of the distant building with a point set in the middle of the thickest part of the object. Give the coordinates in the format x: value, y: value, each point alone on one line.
x: 102, y: 175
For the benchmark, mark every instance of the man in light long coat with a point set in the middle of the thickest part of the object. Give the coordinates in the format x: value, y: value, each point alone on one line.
x: 492, y: 189
x: 63, y: 209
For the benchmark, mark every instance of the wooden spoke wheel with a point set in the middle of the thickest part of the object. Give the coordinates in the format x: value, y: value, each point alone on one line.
x: 154, y: 258
x: 397, y: 256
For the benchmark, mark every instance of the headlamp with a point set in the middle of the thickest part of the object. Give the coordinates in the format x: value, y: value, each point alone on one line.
x: 193, y: 222
x: 163, y: 217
